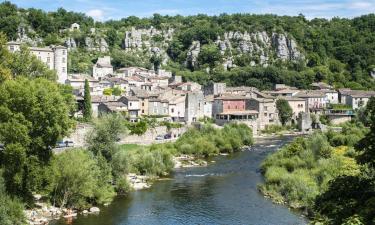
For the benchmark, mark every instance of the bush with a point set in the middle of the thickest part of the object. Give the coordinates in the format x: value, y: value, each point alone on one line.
x: 302, y: 170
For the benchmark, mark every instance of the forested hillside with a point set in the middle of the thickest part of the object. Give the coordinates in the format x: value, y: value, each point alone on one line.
x: 239, y: 49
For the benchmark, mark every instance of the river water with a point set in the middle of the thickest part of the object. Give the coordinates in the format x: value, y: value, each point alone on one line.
x: 224, y: 192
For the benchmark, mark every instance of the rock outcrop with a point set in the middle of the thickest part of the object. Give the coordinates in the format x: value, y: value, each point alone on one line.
x: 259, y: 45
x: 192, y: 54
x: 70, y: 43
x: 96, y: 44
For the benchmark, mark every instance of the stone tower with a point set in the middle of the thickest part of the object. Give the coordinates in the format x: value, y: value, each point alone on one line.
x: 61, y: 63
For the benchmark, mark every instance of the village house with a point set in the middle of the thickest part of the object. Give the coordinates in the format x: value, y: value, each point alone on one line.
x: 266, y: 107
x: 55, y: 57
x: 316, y: 100
x: 158, y: 107
x: 133, y: 107
x: 194, y: 103
x: 357, y: 99
x: 96, y: 101
x: 111, y: 107
x: 177, y: 108
x: 102, y: 67
x: 74, y: 27
x: 232, y: 108
x: 77, y: 81
x: 215, y: 89
x: 298, y: 105
x: 332, y: 96
x: 343, y: 94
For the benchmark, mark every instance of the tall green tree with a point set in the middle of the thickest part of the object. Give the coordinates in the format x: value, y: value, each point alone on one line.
x: 285, y: 111
x: 87, y: 109
x: 33, y: 116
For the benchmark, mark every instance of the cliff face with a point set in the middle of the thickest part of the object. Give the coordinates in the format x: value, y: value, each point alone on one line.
x: 261, y: 47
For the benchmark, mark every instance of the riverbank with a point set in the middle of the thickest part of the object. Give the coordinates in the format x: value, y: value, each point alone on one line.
x: 202, y: 195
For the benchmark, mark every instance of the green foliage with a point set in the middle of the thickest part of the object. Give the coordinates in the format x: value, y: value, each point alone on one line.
x: 79, y: 179
x: 102, y: 140
x: 302, y: 170
x: 87, y: 109
x: 11, y: 210
x: 284, y: 110
x: 208, y: 141
x: 350, y: 198
x: 138, y: 128
x: 276, y: 129
x: 34, y: 115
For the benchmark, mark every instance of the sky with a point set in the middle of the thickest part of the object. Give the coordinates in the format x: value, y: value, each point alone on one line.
x: 102, y: 10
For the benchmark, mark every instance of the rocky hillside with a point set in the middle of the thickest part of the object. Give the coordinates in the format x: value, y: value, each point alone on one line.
x: 201, y: 48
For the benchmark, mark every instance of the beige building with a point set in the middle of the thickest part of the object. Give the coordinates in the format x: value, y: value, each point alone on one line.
x: 55, y: 57
x: 298, y: 105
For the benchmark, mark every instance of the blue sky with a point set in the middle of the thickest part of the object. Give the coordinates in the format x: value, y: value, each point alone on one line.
x: 115, y: 9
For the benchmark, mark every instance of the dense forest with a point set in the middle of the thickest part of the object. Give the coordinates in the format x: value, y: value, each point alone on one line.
x: 240, y: 49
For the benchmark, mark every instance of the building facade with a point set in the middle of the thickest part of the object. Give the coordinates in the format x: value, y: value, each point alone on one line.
x: 55, y: 58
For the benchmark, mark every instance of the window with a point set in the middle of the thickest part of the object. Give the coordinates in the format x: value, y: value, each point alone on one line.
x: 48, y: 59
x: 143, y: 111
x: 63, y: 70
x: 143, y: 104
x: 265, y: 108
x: 12, y: 48
x: 130, y: 104
x: 63, y: 52
x: 172, y: 110
x: 63, y: 60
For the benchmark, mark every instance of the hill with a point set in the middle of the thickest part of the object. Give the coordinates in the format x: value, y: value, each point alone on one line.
x: 239, y: 49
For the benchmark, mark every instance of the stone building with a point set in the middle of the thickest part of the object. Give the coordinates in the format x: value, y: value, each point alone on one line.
x: 158, y: 107
x: 133, y: 106
x: 298, y: 105
x: 194, y: 103
x: 55, y: 57
x: 215, y: 89
x: 266, y: 108
x: 233, y: 109
x: 357, y: 99
x: 102, y: 67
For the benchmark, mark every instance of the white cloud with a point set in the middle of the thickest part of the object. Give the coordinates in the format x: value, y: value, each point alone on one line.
x: 361, y: 5
x: 97, y: 14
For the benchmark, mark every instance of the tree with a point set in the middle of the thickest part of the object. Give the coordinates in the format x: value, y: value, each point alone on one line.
x: 285, y: 111
x: 102, y: 140
x: 33, y: 116
x: 87, y: 110
x: 77, y: 178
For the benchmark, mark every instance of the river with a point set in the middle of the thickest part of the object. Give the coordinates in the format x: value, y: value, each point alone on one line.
x: 224, y: 192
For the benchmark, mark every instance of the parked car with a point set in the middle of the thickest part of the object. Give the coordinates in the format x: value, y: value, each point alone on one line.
x: 168, y: 136
x: 159, y: 137
x: 60, y: 144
